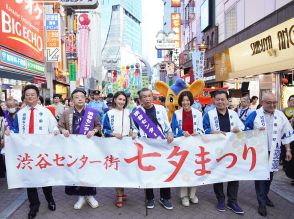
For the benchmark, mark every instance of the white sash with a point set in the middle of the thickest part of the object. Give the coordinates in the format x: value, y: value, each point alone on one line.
x: 276, y: 147
x: 120, y: 121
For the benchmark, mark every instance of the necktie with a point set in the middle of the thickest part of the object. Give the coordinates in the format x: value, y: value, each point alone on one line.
x: 31, y: 124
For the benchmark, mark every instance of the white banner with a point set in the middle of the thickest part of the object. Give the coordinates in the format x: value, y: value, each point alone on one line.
x: 198, y: 64
x: 47, y: 160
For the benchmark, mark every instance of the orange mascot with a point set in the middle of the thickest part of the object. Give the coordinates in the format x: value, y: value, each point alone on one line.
x: 173, y: 92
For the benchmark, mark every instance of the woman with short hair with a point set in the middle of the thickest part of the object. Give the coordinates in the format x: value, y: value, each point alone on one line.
x: 187, y: 121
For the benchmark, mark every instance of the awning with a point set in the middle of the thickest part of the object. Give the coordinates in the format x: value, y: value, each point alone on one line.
x: 10, y: 73
x: 39, y: 80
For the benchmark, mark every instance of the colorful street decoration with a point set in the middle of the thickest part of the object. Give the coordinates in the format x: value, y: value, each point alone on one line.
x: 128, y: 79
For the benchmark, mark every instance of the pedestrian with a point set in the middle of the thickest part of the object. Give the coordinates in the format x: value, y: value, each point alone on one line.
x: 243, y: 110
x: 158, y: 115
x: 117, y: 123
x: 2, y: 129
x: 35, y: 119
x: 279, y: 131
x: 211, y: 106
x: 71, y: 123
x: 222, y: 120
x: 59, y: 107
x: 289, y: 165
x: 12, y: 109
x: 187, y: 121
x: 98, y: 104
x: 254, y: 102
x: 3, y: 106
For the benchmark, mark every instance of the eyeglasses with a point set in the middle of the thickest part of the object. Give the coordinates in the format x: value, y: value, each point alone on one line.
x: 271, y: 102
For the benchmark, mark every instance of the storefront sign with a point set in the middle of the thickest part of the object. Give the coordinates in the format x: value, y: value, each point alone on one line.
x: 53, y: 51
x: 21, y: 27
x: 81, y: 4
x: 176, y: 3
x: 270, y: 51
x: 209, y: 78
x: 176, y: 26
x: 165, y: 46
x: 13, y: 60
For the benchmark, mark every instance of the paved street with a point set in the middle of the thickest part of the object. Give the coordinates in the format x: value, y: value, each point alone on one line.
x: 134, y: 207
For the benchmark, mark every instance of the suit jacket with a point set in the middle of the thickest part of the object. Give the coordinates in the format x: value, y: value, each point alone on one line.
x: 66, y: 121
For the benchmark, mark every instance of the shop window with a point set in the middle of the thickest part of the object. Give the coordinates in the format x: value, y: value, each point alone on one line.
x: 231, y: 21
x: 212, y: 39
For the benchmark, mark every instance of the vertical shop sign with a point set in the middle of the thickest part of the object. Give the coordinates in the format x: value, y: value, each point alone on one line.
x: 53, y: 52
x: 176, y: 3
x: 176, y: 26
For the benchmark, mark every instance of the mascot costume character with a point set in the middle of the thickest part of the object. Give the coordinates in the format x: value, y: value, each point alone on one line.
x: 173, y: 92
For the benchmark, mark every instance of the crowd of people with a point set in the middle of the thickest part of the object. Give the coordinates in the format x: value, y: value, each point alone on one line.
x: 114, y: 120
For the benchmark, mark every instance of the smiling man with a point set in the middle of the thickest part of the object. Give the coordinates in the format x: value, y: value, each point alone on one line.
x: 157, y: 114
x: 278, y: 131
x: 35, y: 119
x: 222, y: 120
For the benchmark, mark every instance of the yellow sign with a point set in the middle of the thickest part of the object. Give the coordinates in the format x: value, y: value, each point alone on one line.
x: 269, y: 51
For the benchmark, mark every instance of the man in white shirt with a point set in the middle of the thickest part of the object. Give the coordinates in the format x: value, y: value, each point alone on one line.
x: 279, y: 131
x: 35, y: 119
x: 244, y: 110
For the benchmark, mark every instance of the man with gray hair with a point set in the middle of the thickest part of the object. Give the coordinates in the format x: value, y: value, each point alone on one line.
x: 244, y: 110
x: 279, y: 131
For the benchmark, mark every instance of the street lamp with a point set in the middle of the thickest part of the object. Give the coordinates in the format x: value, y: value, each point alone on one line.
x: 203, y: 46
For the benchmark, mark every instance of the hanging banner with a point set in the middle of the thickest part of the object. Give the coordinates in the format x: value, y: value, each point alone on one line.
x: 198, y: 64
x: 70, y: 46
x: 53, y: 51
x: 48, y: 160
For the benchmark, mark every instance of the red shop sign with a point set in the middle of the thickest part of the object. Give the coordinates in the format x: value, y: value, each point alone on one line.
x: 21, y: 27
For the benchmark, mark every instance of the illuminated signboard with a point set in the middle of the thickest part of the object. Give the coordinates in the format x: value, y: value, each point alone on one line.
x: 21, y: 27
x: 11, y: 59
x: 53, y: 52
x: 81, y: 4
x: 176, y: 3
x: 176, y: 26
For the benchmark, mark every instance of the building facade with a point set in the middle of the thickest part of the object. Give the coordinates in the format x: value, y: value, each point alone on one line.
x: 254, y: 50
x: 128, y: 22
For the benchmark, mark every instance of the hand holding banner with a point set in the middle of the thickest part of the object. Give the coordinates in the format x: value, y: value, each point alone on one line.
x: 47, y: 160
